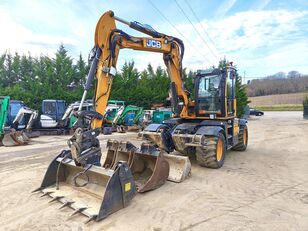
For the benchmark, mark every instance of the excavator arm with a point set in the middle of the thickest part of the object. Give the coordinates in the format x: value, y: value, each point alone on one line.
x: 108, y: 42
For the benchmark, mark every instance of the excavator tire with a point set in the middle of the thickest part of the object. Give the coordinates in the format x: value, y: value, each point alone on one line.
x: 243, y: 139
x: 212, y: 155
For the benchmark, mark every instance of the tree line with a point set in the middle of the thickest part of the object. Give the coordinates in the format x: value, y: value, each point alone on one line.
x: 271, y: 86
x: 33, y: 79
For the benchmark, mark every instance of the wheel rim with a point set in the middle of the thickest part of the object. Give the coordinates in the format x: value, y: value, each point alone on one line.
x: 245, y: 136
x: 219, y: 150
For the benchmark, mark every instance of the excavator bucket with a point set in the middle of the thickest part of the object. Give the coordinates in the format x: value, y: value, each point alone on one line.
x: 180, y: 167
x: 112, y: 147
x: 118, y: 151
x: 149, y: 168
x: 125, y: 153
x: 15, y: 138
x: 90, y: 190
x: 147, y: 164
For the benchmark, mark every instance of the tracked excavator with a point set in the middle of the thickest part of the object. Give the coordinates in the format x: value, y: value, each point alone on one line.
x: 14, y: 136
x: 119, y: 120
x: 77, y: 177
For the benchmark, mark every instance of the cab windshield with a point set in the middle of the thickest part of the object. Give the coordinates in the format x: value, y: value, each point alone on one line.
x: 209, y: 93
x: 15, y: 107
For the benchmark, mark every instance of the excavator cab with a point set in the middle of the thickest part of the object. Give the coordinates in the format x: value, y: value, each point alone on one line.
x: 212, y: 127
x: 214, y: 93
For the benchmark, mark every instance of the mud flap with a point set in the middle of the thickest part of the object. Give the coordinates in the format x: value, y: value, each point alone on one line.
x: 15, y: 138
x: 91, y: 190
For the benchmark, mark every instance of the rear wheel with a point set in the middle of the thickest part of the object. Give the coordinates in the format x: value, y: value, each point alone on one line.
x: 242, y: 139
x: 213, y: 155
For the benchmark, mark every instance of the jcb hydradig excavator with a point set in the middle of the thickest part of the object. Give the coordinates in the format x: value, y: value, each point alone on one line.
x: 77, y: 177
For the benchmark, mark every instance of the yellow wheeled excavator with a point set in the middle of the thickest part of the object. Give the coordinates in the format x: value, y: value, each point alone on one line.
x: 77, y: 177
x: 206, y: 127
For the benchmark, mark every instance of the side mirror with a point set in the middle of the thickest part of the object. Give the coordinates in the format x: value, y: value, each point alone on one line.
x: 232, y: 74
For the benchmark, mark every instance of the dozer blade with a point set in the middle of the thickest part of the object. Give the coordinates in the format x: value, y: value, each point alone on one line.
x: 180, y: 167
x: 15, y: 138
x: 93, y: 191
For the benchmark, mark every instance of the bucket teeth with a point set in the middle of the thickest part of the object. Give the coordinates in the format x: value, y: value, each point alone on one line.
x: 91, y: 218
x: 68, y: 203
x: 55, y: 199
x: 36, y: 190
x: 80, y: 210
x: 45, y: 194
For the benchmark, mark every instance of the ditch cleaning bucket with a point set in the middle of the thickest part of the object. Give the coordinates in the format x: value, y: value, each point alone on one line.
x: 91, y: 190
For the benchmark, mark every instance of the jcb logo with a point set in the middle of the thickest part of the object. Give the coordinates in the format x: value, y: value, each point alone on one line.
x: 153, y: 43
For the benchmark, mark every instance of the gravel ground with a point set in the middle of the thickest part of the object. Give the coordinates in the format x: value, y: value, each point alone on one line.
x: 263, y: 188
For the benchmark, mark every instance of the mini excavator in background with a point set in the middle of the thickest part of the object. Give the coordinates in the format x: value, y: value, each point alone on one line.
x: 14, y: 136
x: 206, y: 127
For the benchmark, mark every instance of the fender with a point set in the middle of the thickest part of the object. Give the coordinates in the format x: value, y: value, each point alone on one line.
x: 155, y: 127
x: 242, y: 122
x: 210, y: 130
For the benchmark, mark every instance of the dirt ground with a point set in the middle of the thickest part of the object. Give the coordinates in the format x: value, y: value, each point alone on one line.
x: 264, y: 188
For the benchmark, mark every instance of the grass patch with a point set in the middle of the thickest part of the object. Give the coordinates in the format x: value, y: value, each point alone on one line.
x: 281, y: 107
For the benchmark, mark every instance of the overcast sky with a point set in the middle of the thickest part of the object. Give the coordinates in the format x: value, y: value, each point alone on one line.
x: 262, y: 37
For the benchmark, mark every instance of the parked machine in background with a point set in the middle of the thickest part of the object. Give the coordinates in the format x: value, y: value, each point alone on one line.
x: 128, y: 118
x: 4, y: 106
x: 26, y: 117
x: 159, y: 115
x: 9, y: 137
x: 14, y: 107
x: 69, y: 120
x: 110, y: 113
x: 118, y: 103
x: 52, y: 113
